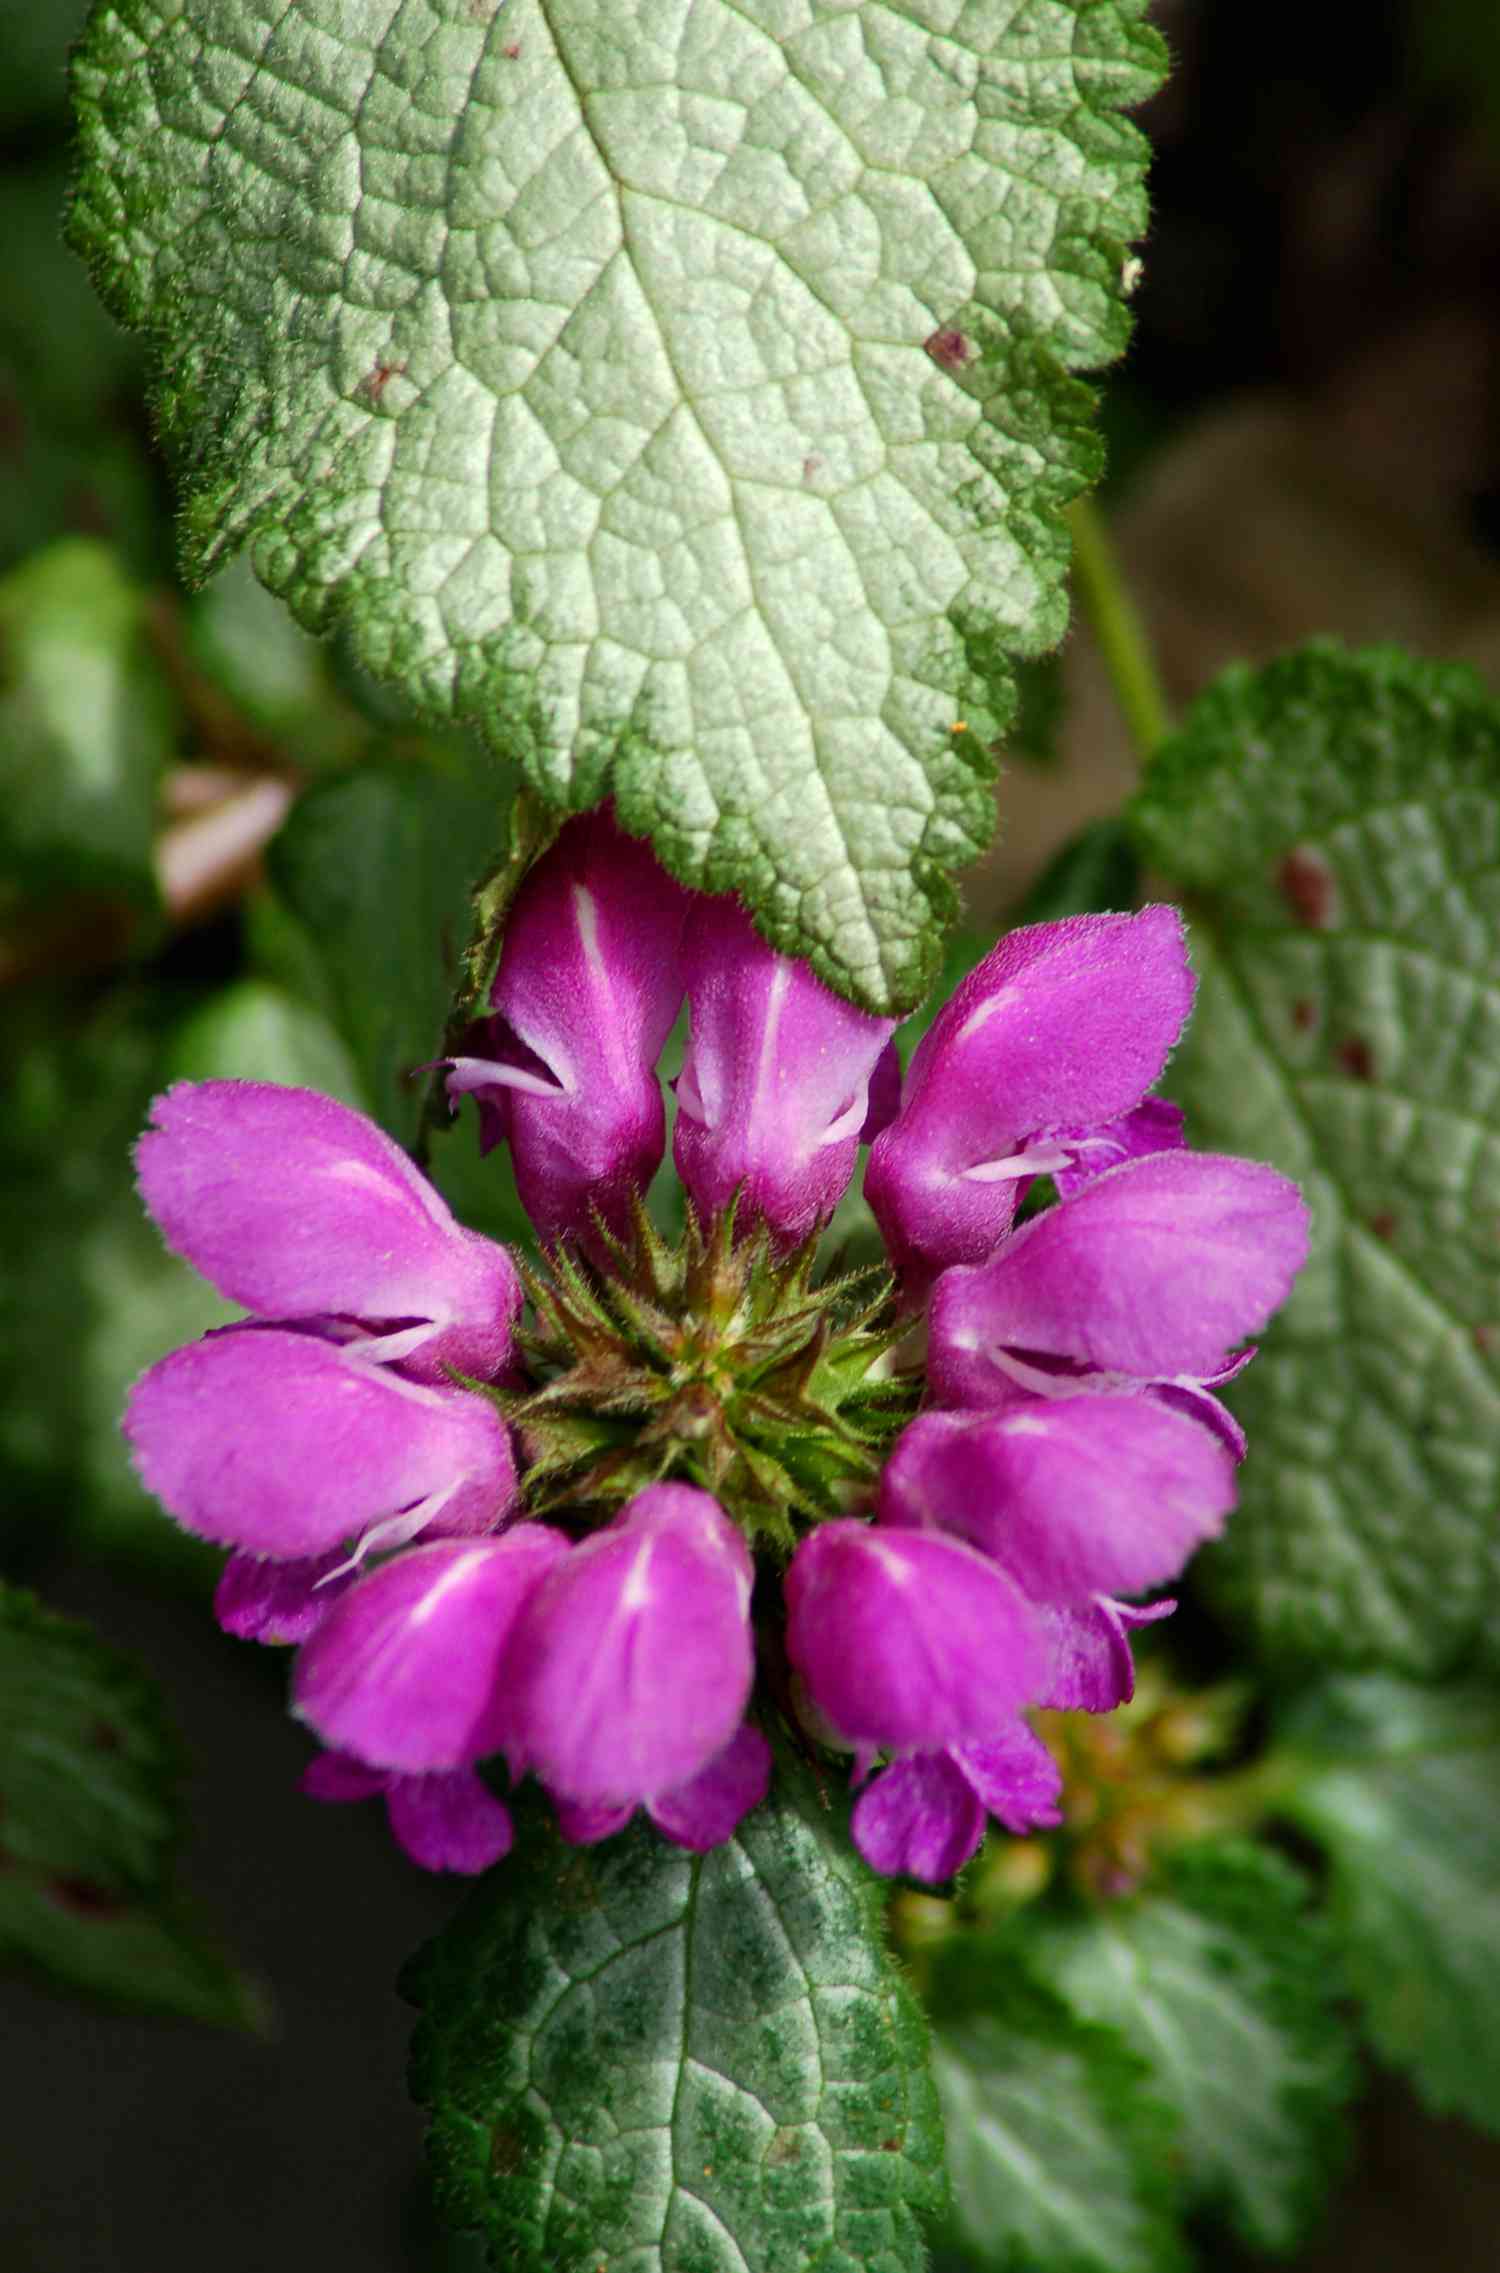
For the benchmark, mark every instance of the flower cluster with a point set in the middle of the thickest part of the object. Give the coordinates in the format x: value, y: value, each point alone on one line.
x: 697, y: 1489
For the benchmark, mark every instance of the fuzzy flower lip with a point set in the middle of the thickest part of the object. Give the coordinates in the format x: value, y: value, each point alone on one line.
x: 446, y: 1821
x: 1154, y: 1270
x: 588, y: 987
x: 300, y: 1209
x: 632, y: 1667
x: 407, y: 1672
x: 1062, y: 1027
x: 285, y: 1445
x: 1084, y: 1496
x: 906, y: 1639
x: 775, y: 1089
x: 924, y: 1816
x: 700, y: 1814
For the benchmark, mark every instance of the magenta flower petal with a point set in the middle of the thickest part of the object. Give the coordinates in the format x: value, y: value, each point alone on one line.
x: 632, y: 1665
x: 775, y: 1088
x: 1015, y: 1778
x: 285, y: 1444
x: 885, y: 1094
x: 705, y: 1811
x: 450, y: 1822
x: 586, y: 1826
x: 1063, y: 1025
x: 338, y: 1779
x: 1156, y: 1126
x: 918, y: 1819
x: 1156, y: 1268
x: 298, y: 1207
x: 588, y: 987
x: 258, y: 1600
x: 908, y: 1639
x: 1091, y: 1669
x: 1074, y: 1497
x: 406, y: 1672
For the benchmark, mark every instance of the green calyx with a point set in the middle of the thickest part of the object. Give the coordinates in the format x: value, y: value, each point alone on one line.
x: 714, y: 1360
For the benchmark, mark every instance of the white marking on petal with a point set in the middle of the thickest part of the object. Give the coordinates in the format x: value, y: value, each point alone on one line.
x: 637, y: 1592
x: 984, y: 1012
x: 453, y: 1576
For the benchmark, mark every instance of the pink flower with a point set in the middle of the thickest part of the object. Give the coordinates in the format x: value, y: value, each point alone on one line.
x: 590, y: 981
x: 346, y: 1439
x: 1057, y: 1034
x: 775, y: 1088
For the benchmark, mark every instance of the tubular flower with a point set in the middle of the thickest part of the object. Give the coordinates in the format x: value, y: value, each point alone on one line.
x: 560, y: 1546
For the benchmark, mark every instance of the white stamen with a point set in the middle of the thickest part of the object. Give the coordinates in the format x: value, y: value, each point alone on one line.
x: 1039, y: 1160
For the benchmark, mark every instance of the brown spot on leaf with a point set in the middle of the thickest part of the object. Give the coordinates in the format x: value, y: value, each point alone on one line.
x: 1305, y: 881
x: 812, y: 466
x: 1357, y: 1058
x: 950, y: 349
x: 105, y: 1737
x: 507, y: 2153
x: 890, y: 2146
x: 786, y: 2147
x: 512, y: 51
x: 373, y: 386
x: 1487, y: 1339
x: 1304, y: 1015
x: 1383, y: 1226
x: 84, y: 1898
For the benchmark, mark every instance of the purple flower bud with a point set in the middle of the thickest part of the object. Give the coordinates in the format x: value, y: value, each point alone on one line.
x: 1074, y: 1497
x: 908, y: 1639
x: 407, y: 1671
x: 284, y: 1444
x: 300, y: 1209
x: 924, y: 1817
x: 775, y: 1088
x: 1155, y: 1269
x: 588, y: 987
x: 1062, y: 1026
x: 632, y: 1666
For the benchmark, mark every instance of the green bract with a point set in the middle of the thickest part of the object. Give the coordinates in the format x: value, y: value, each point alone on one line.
x: 675, y: 387
x: 634, y: 2056
x: 1334, y: 823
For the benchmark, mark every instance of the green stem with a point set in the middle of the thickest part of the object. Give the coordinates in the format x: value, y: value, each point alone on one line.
x: 1106, y: 601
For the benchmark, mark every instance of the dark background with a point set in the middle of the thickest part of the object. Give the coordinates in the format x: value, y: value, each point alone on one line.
x: 1306, y: 437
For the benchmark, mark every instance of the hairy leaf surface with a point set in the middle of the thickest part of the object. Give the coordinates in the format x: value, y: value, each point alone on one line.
x: 1401, y: 1786
x: 87, y: 1821
x: 670, y: 2063
x: 1225, y: 1987
x: 677, y: 388
x: 1334, y: 822
x: 1056, y: 2156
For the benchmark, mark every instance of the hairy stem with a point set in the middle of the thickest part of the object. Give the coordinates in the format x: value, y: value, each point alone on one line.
x: 1117, y: 625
